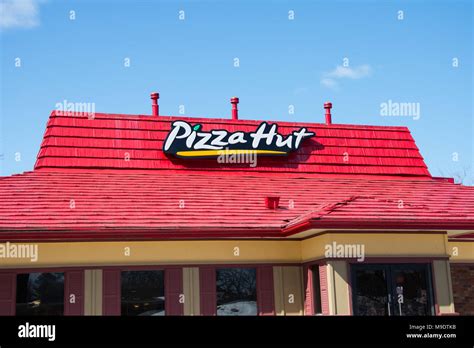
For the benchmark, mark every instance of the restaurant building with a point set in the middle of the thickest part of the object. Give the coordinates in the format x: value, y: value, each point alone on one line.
x: 165, y: 215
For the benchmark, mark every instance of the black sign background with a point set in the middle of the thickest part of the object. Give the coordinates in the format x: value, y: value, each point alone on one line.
x: 179, y: 145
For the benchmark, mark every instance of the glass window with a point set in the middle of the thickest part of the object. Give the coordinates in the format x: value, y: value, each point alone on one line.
x: 40, y: 294
x: 317, y: 290
x: 143, y: 293
x: 236, y: 291
x: 392, y: 289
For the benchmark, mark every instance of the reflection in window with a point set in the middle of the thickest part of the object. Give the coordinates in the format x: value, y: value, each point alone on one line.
x: 143, y: 293
x: 371, y: 292
x: 40, y: 294
x: 411, y: 292
x: 236, y: 291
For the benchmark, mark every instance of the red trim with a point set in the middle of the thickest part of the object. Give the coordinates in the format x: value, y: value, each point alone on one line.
x: 139, y: 267
x: 207, y: 290
x: 308, y: 290
x: 173, y: 291
x: 134, y: 235
x: 45, y: 269
x: 400, y: 259
x: 461, y: 239
x: 397, y: 260
x: 265, y: 290
x: 85, y: 234
x: 7, y: 293
x: 324, y: 284
x: 111, y: 292
x: 376, y: 224
x: 376, y: 231
x: 74, y: 285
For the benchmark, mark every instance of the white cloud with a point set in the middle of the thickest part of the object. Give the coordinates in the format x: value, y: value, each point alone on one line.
x: 19, y: 14
x: 330, y: 79
x: 330, y: 83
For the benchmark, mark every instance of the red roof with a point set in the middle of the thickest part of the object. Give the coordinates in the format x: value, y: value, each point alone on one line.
x: 136, y: 206
x: 82, y: 188
x: 103, y: 142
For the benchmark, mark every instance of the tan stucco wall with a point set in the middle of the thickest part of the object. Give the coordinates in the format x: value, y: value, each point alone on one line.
x: 191, y: 291
x: 461, y: 252
x: 443, y: 286
x: 236, y: 251
x: 287, y: 279
x: 338, y: 281
x: 378, y: 244
x: 93, y: 292
x: 162, y: 252
x: 288, y: 290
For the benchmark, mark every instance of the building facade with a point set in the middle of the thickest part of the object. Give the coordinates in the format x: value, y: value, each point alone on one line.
x: 162, y: 215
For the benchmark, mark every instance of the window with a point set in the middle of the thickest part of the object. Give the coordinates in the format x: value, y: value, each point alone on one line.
x: 143, y: 293
x: 316, y: 290
x: 392, y: 289
x: 236, y: 291
x: 40, y: 294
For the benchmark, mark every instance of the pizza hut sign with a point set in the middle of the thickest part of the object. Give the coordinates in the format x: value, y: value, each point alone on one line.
x: 187, y: 141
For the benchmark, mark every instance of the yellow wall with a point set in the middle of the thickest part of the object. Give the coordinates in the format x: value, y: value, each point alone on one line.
x: 238, y: 251
x: 462, y: 252
x: 287, y: 279
x: 443, y: 286
x: 288, y: 290
x: 191, y: 291
x: 159, y: 252
x: 379, y: 244
x: 93, y: 292
x: 338, y: 281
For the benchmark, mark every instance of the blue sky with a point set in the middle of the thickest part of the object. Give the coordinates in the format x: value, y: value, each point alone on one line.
x: 282, y: 62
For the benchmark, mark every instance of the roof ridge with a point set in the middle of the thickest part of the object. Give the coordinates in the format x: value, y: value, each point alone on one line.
x: 210, y: 120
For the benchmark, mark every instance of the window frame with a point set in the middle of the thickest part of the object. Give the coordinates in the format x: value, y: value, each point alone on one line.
x: 124, y: 268
x: 68, y: 274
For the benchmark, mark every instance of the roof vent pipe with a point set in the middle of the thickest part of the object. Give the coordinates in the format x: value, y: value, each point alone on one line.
x: 272, y: 202
x: 235, y: 112
x: 155, y: 109
x: 328, y: 107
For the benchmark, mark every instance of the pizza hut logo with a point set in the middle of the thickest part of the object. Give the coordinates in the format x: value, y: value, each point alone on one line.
x: 187, y: 141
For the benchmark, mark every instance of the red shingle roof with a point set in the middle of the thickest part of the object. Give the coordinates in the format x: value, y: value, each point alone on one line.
x: 83, y: 188
x: 103, y: 142
x: 136, y: 206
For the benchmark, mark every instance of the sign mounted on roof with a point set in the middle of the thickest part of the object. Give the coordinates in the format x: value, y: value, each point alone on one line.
x: 187, y: 141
